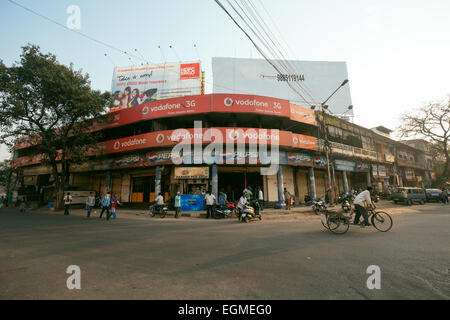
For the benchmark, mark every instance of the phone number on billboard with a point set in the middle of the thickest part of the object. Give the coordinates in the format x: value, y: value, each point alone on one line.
x: 290, y: 77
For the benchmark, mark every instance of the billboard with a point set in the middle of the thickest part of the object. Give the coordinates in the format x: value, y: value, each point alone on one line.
x: 132, y: 86
x: 256, y: 76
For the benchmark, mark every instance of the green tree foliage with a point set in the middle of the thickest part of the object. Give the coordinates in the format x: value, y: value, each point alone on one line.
x: 52, y: 107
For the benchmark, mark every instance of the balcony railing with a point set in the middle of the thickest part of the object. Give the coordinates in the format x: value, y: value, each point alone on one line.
x: 411, y: 164
x: 350, y: 151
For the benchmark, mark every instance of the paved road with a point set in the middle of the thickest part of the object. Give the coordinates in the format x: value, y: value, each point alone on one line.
x: 282, y: 257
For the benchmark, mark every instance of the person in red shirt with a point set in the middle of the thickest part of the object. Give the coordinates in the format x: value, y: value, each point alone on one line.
x: 114, y: 203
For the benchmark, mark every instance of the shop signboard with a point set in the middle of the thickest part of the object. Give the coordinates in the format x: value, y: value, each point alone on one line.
x: 301, y: 141
x: 410, y: 175
x: 375, y: 170
x: 192, y: 173
x: 133, y: 86
x: 320, y: 162
x: 237, y: 103
x: 344, y: 165
x: 383, y: 171
x: 304, y: 115
x: 299, y: 159
x: 362, y: 167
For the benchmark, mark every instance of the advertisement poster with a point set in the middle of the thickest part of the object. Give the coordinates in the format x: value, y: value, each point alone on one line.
x: 299, y: 159
x: 344, y: 165
x: 362, y: 167
x: 135, y: 85
x: 315, y: 81
x: 304, y: 115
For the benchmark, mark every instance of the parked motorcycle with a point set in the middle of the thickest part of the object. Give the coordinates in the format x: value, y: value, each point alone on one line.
x: 250, y: 212
x: 347, y: 202
x: 220, y: 212
x: 158, y: 210
x: 375, y: 198
x: 319, y: 206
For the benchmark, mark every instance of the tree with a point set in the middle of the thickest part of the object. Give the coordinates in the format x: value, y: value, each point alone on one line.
x: 432, y: 123
x: 51, y: 107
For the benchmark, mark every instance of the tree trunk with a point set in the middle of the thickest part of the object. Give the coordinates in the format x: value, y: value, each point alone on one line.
x: 59, y: 189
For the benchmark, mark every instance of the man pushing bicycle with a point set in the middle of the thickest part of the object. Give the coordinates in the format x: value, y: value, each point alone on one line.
x: 361, y: 201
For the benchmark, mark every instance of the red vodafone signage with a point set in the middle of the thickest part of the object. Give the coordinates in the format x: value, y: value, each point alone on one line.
x: 304, y: 115
x: 304, y: 142
x: 250, y: 104
x: 189, y: 71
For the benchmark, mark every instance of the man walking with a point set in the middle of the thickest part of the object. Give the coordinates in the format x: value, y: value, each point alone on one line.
x: 106, y: 204
x: 260, y: 198
x: 287, y: 199
x: 90, y: 203
x: 67, y: 203
x: 210, y: 200
x: 444, y: 196
x: 177, y: 205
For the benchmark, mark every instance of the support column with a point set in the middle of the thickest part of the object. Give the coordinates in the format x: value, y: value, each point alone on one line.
x: 215, y: 181
x: 312, y: 184
x: 108, y: 181
x: 344, y: 179
x: 281, y: 203
x: 157, y: 181
x: 369, y: 180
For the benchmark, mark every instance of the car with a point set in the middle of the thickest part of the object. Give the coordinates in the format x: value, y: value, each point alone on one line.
x: 433, y: 194
x: 413, y: 195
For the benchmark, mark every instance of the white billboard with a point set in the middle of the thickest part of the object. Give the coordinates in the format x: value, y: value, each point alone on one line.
x: 132, y: 86
x: 315, y: 80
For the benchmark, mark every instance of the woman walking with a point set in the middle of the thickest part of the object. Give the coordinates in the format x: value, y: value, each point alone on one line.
x: 177, y: 205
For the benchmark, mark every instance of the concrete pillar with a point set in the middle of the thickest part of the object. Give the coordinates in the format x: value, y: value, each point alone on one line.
x: 157, y: 181
x: 215, y: 181
x: 369, y: 180
x: 280, y: 187
x: 312, y: 184
x: 108, y: 181
x: 345, y: 181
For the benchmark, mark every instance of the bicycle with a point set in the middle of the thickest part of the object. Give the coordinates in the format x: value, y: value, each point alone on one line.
x: 339, y: 223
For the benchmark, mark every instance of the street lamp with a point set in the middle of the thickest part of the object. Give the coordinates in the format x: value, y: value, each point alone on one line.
x: 327, y: 144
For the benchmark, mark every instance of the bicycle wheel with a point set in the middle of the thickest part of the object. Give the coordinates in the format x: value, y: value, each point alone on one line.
x: 337, y: 224
x: 382, y: 221
x: 323, y: 219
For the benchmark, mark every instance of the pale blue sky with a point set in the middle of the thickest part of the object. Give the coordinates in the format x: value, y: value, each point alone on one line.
x: 397, y: 51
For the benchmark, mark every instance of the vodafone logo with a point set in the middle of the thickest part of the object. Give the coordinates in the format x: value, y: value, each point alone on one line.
x: 228, y: 102
x: 295, y: 140
x: 145, y: 110
x: 160, y: 138
x: 233, y: 135
x: 117, y: 145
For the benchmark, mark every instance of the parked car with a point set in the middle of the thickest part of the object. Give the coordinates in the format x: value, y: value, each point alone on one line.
x: 433, y: 194
x: 413, y: 195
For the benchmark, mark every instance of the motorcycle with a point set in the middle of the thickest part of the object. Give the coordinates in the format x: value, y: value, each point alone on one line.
x: 250, y: 212
x: 220, y: 212
x: 319, y: 206
x: 375, y: 198
x: 158, y: 210
x: 347, y: 203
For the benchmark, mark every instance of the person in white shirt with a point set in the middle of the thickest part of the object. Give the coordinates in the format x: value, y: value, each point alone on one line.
x: 159, y: 200
x: 361, y: 201
x: 260, y: 197
x: 210, y: 200
x: 90, y: 203
x: 67, y: 203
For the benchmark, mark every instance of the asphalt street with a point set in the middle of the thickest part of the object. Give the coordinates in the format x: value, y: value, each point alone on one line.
x: 285, y: 256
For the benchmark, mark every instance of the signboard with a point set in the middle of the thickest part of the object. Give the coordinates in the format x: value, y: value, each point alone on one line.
x: 250, y: 103
x: 191, y: 202
x: 299, y: 159
x: 133, y: 86
x: 344, y: 165
x: 410, y: 175
x: 320, y: 162
x: 383, y: 172
x: 191, y: 173
x: 362, y: 167
x: 304, y: 115
x: 304, y: 142
x: 317, y: 79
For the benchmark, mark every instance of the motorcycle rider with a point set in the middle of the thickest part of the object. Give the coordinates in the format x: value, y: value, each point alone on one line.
x: 242, y: 202
x: 159, y: 201
x: 361, y: 201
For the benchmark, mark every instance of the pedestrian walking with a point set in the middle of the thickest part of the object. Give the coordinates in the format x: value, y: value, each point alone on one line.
x: 444, y: 196
x: 177, y: 205
x: 22, y: 206
x: 260, y: 198
x: 67, y: 203
x: 106, y: 205
x: 90, y: 203
x: 287, y: 199
x: 210, y: 200
x: 114, y: 204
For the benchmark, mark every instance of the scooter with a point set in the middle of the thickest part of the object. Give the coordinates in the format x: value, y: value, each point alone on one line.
x: 160, y: 210
x: 250, y: 212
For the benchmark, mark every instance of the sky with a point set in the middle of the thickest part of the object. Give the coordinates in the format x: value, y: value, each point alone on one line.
x: 397, y: 51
